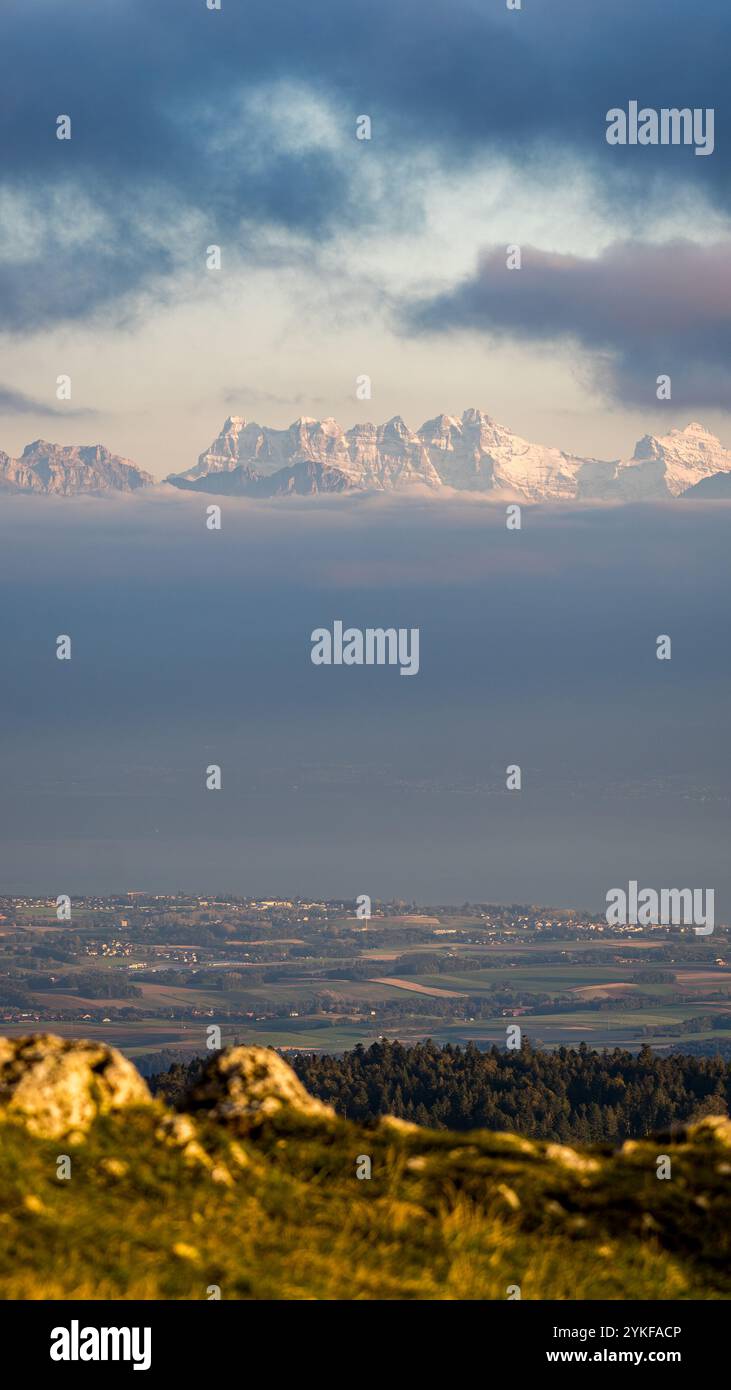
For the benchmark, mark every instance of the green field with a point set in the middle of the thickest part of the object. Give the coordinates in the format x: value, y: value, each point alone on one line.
x: 356, y: 986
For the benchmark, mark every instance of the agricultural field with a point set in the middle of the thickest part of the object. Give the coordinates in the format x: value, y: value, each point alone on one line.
x: 156, y: 975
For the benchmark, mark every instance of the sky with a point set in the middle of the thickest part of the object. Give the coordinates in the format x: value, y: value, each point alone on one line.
x: 537, y: 648
x: 341, y: 257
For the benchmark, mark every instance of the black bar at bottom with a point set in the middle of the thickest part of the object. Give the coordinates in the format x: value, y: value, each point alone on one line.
x: 155, y: 1339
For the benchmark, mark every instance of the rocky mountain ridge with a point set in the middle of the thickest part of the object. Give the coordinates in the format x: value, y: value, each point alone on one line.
x: 68, y: 470
x: 467, y: 453
x: 472, y: 453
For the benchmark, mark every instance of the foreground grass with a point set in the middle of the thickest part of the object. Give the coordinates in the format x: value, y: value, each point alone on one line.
x: 150, y: 1213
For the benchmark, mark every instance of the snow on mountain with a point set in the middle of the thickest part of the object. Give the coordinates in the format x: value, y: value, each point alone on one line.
x: 475, y: 453
x: 668, y: 464
x: 471, y: 452
x: 368, y: 456
x: 66, y: 470
x: 242, y: 443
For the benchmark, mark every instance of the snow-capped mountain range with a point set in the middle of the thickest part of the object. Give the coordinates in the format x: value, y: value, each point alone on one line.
x: 470, y: 453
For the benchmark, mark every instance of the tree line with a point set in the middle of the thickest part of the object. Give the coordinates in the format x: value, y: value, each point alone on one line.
x: 567, y: 1094
x: 570, y: 1094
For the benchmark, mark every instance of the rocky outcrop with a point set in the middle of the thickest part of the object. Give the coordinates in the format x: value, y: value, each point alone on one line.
x: 244, y: 1087
x: 59, y: 1087
x: 278, y: 1210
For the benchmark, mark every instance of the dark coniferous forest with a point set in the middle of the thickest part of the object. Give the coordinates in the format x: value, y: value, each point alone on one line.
x: 577, y: 1095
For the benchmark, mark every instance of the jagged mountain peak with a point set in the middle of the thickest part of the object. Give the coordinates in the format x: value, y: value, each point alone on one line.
x: 693, y: 427
x: 397, y: 425
x: 471, y: 452
x: 67, y: 470
x: 37, y: 444
x: 236, y: 422
x: 669, y: 464
x: 694, y: 433
x: 440, y: 425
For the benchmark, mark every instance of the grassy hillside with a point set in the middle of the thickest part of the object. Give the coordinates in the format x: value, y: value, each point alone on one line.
x: 164, y: 1206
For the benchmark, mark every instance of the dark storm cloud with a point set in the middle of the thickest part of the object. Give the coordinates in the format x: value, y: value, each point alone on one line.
x: 153, y: 92
x: 639, y: 310
x: 67, y: 282
x: 143, y: 240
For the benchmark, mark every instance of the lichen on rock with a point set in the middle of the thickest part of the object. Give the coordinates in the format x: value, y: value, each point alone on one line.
x: 245, y: 1086
x: 58, y: 1087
